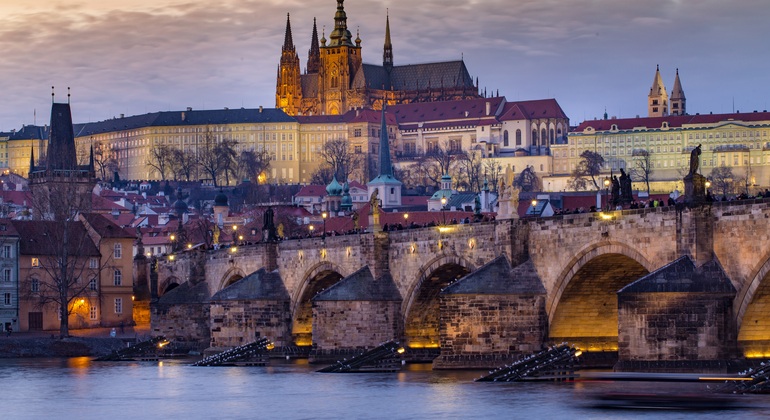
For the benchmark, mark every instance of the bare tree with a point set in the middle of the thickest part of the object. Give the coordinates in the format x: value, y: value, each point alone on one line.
x: 527, y: 180
x: 104, y: 160
x: 183, y: 164
x: 226, y: 155
x: 642, y: 169
x: 251, y: 164
x: 589, y: 166
x: 492, y: 171
x: 209, y: 160
x: 722, y: 180
x: 470, y: 172
x: 322, y: 176
x: 161, y: 159
x: 339, y: 156
x: 64, y: 247
x: 437, y: 162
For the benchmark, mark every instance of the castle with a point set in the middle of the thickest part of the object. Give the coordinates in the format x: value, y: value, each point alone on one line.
x: 336, y: 80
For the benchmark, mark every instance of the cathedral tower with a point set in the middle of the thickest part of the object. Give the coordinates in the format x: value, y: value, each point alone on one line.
x: 657, y: 100
x: 314, y: 54
x: 288, y: 90
x: 340, y: 61
x: 678, y: 101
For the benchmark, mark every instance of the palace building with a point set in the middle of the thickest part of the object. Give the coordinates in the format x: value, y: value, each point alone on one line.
x: 336, y: 80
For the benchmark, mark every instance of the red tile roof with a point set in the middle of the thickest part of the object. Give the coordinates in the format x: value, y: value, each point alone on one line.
x: 312, y: 191
x: 674, y: 121
x: 541, y: 108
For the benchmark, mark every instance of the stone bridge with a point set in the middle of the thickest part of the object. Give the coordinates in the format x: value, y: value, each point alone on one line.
x: 662, y: 284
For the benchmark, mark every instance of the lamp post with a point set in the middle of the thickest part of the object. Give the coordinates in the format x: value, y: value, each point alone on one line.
x: 443, y: 208
x: 534, y: 207
x: 311, y: 228
x: 406, y: 219
x: 708, y: 185
x: 324, y: 215
x: 235, y: 234
x: 607, y: 192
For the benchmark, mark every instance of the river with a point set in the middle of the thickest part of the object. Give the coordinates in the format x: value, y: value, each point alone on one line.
x: 78, y: 388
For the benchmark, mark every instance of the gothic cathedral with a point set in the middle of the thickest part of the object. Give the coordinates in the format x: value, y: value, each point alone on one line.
x: 336, y: 80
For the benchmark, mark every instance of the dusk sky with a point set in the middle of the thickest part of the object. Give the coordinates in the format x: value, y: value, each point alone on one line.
x: 137, y: 56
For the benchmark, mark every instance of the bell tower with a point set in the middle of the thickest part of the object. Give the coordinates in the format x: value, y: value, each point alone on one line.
x: 657, y: 100
x: 340, y: 60
x: 678, y: 101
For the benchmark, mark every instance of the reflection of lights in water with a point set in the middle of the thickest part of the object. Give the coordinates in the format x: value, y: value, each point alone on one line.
x: 79, y: 362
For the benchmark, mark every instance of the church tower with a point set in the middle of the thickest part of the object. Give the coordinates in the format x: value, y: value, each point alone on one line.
x: 657, y: 100
x: 387, y: 54
x: 340, y: 61
x: 288, y: 90
x: 678, y: 101
x: 387, y: 184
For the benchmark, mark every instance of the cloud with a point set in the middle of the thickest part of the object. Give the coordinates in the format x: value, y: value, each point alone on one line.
x: 149, y: 55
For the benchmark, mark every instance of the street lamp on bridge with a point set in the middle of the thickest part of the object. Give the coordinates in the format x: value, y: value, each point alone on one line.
x: 324, y: 215
x: 443, y: 208
x: 607, y: 192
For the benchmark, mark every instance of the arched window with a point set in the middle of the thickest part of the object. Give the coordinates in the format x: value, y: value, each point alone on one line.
x: 552, y: 136
x: 543, y: 136
x: 534, y: 137
x: 518, y: 137
x: 505, y: 138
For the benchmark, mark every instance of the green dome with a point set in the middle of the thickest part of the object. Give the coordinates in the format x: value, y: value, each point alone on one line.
x: 334, y: 188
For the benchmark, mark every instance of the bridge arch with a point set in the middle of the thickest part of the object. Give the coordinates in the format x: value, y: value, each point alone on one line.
x: 752, y: 307
x: 420, y: 309
x: 168, y: 284
x: 231, y: 276
x: 319, y: 277
x: 582, y: 308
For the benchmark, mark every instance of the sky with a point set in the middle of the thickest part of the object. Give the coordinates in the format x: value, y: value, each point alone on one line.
x: 138, y: 56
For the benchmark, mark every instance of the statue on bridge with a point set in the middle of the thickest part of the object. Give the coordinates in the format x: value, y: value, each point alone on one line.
x: 626, y: 193
x: 694, y: 160
x: 268, y: 226
x: 374, y: 202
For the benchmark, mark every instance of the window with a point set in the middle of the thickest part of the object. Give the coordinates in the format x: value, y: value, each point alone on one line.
x: 34, y: 286
x: 7, y: 275
x: 92, y: 313
x: 118, y: 305
x: 505, y: 138
x: 357, y: 132
x: 7, y: 299
x: 518, y: 137
x: 92, y: 284
x: 118, y: 251
x: 117, y: 277
x: 93, y: 263
x: 35, y: 262
x: 7, y: 251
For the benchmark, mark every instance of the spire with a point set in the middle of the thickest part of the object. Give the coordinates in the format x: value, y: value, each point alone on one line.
x: 61, y: 139
x: 288, y: 43
x: 657, y: 100
x: 314, y: 54
x: 340, y: 35
x: 386, y: 167
x: 678, y: 100
x: 387, y: 55
x: 31, y: 159
x: 91, y: 160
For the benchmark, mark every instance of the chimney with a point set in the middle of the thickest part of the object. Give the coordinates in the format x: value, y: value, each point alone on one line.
x: 260, y: 109
x: 122, y: 115
x: 184, y: 117
x: 489, y: 107
x: 189, y: 108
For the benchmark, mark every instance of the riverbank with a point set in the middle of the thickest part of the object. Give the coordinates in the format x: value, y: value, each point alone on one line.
x: 92, y: 342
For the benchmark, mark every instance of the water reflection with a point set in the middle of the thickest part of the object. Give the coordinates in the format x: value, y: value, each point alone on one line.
x: 290, y: 390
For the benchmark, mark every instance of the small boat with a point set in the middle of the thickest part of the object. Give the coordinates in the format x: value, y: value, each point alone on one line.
x: 655, y: 401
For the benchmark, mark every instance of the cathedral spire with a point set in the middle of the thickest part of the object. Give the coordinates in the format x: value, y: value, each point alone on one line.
x: 387, y: 55
x: 288, y: 43
x: 314, y: 54
x: 678, y: 101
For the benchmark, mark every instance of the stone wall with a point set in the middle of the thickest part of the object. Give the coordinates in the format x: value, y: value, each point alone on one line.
x: 235, y: 323
x: 675, y: 327
x: 354, y: 325
x: 187, y: 325
x: 484, y: 331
